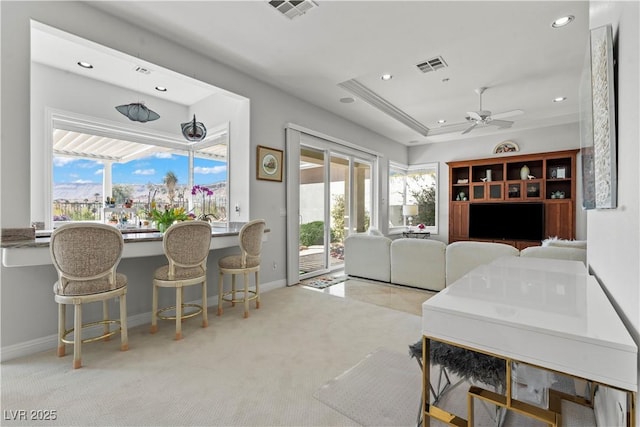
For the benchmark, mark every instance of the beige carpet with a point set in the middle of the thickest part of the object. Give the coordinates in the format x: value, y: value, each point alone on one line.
x: 383, y: 389
x: 261, y: 371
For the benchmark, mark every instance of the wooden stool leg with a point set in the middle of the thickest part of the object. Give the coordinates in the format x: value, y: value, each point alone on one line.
x: 124, y: 334
x: 179, y: 313
x: 233, y: 289
x: 246, y: 294
x: 154, y: 310
x: 105, y: 316
x: 205, y: 320
x: 62, y: 316
x: 77, y: 336
x: 220, y: 291
x: 257, y: 289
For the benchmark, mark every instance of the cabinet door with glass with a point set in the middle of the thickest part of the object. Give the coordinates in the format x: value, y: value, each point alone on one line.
x: 487, y: 191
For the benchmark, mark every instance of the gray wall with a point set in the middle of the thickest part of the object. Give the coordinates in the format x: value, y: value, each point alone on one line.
x: 26, y: 295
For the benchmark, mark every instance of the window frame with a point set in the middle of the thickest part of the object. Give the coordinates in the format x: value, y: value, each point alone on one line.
x: 406, y: 170
x: 59, y: 119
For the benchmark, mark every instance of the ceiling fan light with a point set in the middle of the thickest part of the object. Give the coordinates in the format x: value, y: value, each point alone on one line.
x: 560, y: 99
x: 194, y: 131
x: 137, y: 112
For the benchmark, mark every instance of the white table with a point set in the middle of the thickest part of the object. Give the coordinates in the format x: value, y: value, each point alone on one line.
x: 547, y: 313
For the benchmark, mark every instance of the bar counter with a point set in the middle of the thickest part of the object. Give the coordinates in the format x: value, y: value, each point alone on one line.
x: 138, y: 243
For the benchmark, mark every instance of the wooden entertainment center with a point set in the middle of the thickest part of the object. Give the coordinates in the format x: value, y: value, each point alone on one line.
x: 549, y: 178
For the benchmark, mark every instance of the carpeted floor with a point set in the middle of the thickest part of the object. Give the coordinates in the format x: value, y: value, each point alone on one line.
x: 260, y: 371
x: 383, y: 389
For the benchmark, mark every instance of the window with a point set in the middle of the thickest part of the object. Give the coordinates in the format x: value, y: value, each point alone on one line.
x: 146, y: 174
x: 413, y: 185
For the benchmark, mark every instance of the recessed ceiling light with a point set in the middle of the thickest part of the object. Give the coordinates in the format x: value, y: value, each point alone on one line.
x: 161, y: 89
x: 347, y: 100
x: 559, y: 99
x: 85, y: 64
x: 386, y: 77
x: 441, y: 121
x: 561, y: 22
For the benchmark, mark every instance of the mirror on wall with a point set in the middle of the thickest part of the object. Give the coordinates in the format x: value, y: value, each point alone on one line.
x: 91, y: 162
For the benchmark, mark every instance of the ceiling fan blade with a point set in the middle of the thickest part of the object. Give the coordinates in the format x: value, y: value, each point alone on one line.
x: 474, y: 115
x: 501, y: 123
x: 447, y: 125
x: 467, y: 130
x: 507, y: 114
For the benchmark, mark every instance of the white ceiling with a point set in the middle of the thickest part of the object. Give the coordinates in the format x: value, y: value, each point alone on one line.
x: 507, y: 46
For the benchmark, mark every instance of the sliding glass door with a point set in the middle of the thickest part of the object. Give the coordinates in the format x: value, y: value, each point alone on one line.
x: 330, y: 194
x: 335, y: 200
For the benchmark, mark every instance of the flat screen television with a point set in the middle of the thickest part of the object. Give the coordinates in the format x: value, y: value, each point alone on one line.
x: 508, y: 221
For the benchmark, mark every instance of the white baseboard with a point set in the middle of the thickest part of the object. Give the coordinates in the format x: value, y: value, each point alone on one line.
x: 50, y: 342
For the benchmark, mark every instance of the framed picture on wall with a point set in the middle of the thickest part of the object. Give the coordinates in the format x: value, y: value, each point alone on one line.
x: 269, y: 167
x: 597, y: 122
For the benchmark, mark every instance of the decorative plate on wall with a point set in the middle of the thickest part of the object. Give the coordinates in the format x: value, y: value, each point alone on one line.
x: 506, y: 147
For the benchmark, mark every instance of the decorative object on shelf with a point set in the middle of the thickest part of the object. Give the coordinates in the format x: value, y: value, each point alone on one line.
x: 409, y: 211
x: 137, y: 112
x: 488, y: 174
x: 421, y: 226
x: 461, y: 196
x: 597, y: 122
x: 557, y: 195
x: 561, y: 172
x: 269, y: 164
x: 531, y: 177
x: 463, y: 181
x: 483, y: 179
x: 506, y: 147
x: 524, y: 172
x: 194, y: 131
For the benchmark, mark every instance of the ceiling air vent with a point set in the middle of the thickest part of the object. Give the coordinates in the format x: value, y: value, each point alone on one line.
x: 432, y: 64
x: 293, y: 8
x: 142, y: 70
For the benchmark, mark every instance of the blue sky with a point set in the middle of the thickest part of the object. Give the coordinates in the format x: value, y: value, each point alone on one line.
x: 141, y: 171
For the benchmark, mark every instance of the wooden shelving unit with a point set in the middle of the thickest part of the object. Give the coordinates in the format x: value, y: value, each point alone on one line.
x: 551, y: 180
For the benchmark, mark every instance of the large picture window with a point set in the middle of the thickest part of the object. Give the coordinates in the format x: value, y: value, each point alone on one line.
x: 161, y: 177
x: 413, y: 185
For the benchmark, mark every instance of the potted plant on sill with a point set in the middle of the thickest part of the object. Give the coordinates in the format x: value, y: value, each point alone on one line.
x: 168, y: 216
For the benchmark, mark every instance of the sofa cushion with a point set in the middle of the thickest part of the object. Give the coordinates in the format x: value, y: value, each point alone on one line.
x: 575, y: 254
x: 461, y: 257
x: 419, y: 263
x: 368, y: 256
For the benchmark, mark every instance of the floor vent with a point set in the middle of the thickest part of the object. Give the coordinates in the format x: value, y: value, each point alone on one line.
x: 293, y: 8
x: 432, y: 64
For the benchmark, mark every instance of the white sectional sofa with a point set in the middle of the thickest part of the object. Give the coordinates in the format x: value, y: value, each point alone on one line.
x: 431, y: 264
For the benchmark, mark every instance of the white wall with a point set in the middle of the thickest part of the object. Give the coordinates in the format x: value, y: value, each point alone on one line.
x: 616, y: 264
x: 553, y: 138
x: 25, y: 293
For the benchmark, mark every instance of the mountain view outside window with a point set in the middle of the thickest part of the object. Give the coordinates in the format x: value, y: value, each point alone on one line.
x: 160, y: 179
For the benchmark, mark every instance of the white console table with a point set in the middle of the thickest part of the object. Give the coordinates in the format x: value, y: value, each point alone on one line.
x: 550, y: 314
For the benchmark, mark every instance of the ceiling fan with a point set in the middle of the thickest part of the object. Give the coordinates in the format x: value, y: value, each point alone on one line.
x: 484, y: 117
